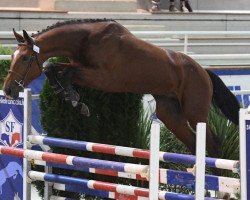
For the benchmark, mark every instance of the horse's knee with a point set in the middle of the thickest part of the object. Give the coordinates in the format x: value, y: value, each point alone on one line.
x: 49, y: 68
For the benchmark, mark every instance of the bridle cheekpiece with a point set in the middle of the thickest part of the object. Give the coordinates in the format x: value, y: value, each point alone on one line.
x: 36, y: 50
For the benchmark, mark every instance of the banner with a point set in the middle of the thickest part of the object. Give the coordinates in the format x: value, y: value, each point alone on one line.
x: 11, y: 135
x: 237, y: 80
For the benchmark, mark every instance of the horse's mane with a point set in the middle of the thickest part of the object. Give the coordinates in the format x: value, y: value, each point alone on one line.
x: 69, y: 22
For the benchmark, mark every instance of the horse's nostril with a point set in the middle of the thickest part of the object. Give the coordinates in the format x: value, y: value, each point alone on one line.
x: 7, y: 91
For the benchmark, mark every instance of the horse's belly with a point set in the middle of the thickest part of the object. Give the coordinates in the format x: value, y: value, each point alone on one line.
x: 131, y: 78
x: 143, y: 82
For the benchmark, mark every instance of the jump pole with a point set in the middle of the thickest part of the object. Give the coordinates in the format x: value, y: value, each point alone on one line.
x: 200, y: 161
x: 132, y: 152
x: 154, y: 160
x: 167, y: 176
x: 27, y: 119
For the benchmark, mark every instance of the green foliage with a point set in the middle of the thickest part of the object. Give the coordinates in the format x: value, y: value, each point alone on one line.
x: 4, y: 64
x: 228, y: 134
x: 169, y: 143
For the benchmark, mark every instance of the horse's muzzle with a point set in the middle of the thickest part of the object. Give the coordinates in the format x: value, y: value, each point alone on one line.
x: 11, y: 91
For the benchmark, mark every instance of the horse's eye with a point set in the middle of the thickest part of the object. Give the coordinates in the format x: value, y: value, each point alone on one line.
x: 26, y: 58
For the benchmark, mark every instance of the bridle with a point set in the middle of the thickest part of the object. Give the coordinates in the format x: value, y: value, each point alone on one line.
x: 31, y: 58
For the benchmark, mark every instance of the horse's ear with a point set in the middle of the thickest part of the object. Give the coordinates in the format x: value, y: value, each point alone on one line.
x: 27, y: 38
x: 18, y: 37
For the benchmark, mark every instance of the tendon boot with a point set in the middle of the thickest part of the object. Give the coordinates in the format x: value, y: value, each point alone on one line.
x: 52, y: 78
x: 70, y: 95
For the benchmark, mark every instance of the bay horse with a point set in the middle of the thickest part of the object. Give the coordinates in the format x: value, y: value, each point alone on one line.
x: 107, y: 57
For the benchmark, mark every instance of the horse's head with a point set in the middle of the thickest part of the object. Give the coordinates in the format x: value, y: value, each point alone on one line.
x: 25, y: 65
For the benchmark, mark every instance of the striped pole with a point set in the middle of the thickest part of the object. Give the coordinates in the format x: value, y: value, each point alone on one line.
x: 132, y: 152
x: 166, y: 176
x: 75, y: 160
x: 104, y: 186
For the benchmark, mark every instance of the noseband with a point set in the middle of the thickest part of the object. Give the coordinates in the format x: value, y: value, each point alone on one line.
x: 32, y: 57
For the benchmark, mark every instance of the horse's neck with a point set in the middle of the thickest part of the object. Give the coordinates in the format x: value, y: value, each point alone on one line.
x: 57, y: 44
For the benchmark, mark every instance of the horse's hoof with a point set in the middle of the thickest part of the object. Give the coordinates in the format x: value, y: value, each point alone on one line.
x: 85, y: 110
x: 74, y: 103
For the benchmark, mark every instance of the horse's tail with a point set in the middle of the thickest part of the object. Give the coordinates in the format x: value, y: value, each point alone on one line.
x: 224, y: 99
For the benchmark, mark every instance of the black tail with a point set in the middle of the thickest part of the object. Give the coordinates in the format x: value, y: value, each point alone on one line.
x: 224, y: 99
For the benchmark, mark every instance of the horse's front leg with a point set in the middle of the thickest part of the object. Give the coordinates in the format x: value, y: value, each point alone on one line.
x: 64, y: 88
x: 51, y: 71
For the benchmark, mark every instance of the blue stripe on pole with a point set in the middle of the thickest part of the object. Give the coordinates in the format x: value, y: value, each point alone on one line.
x: 211, y: 162
x: 99, y: 164
x: 65, y: 179
x: 75, y: 185
x: 179, y: 158
x: 65, y: 143
x: 186, y: 159
x: 70, y: 167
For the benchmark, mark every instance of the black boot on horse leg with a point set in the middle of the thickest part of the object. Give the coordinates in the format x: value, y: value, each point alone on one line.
x: 64, y: 89
x: 51, y: 73
x: 70, y: 93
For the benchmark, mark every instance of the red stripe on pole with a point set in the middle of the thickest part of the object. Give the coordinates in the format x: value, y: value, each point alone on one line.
x: 12, y: 151
x: 55, y: 158
x: 103, y: 148
x: 99, y: 185
x: 138, y: 177
x: 141, y: 192
x: 106, y: 172
x: 144, y: 154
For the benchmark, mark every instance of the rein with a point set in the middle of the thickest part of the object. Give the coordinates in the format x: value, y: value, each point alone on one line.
x: 32, y: 57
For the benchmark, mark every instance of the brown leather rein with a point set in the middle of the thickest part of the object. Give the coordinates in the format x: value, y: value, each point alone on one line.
x: 32, y: 57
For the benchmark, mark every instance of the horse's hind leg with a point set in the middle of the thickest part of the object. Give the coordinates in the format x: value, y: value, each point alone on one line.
x: 196, y: 109
x: 169, y: 111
